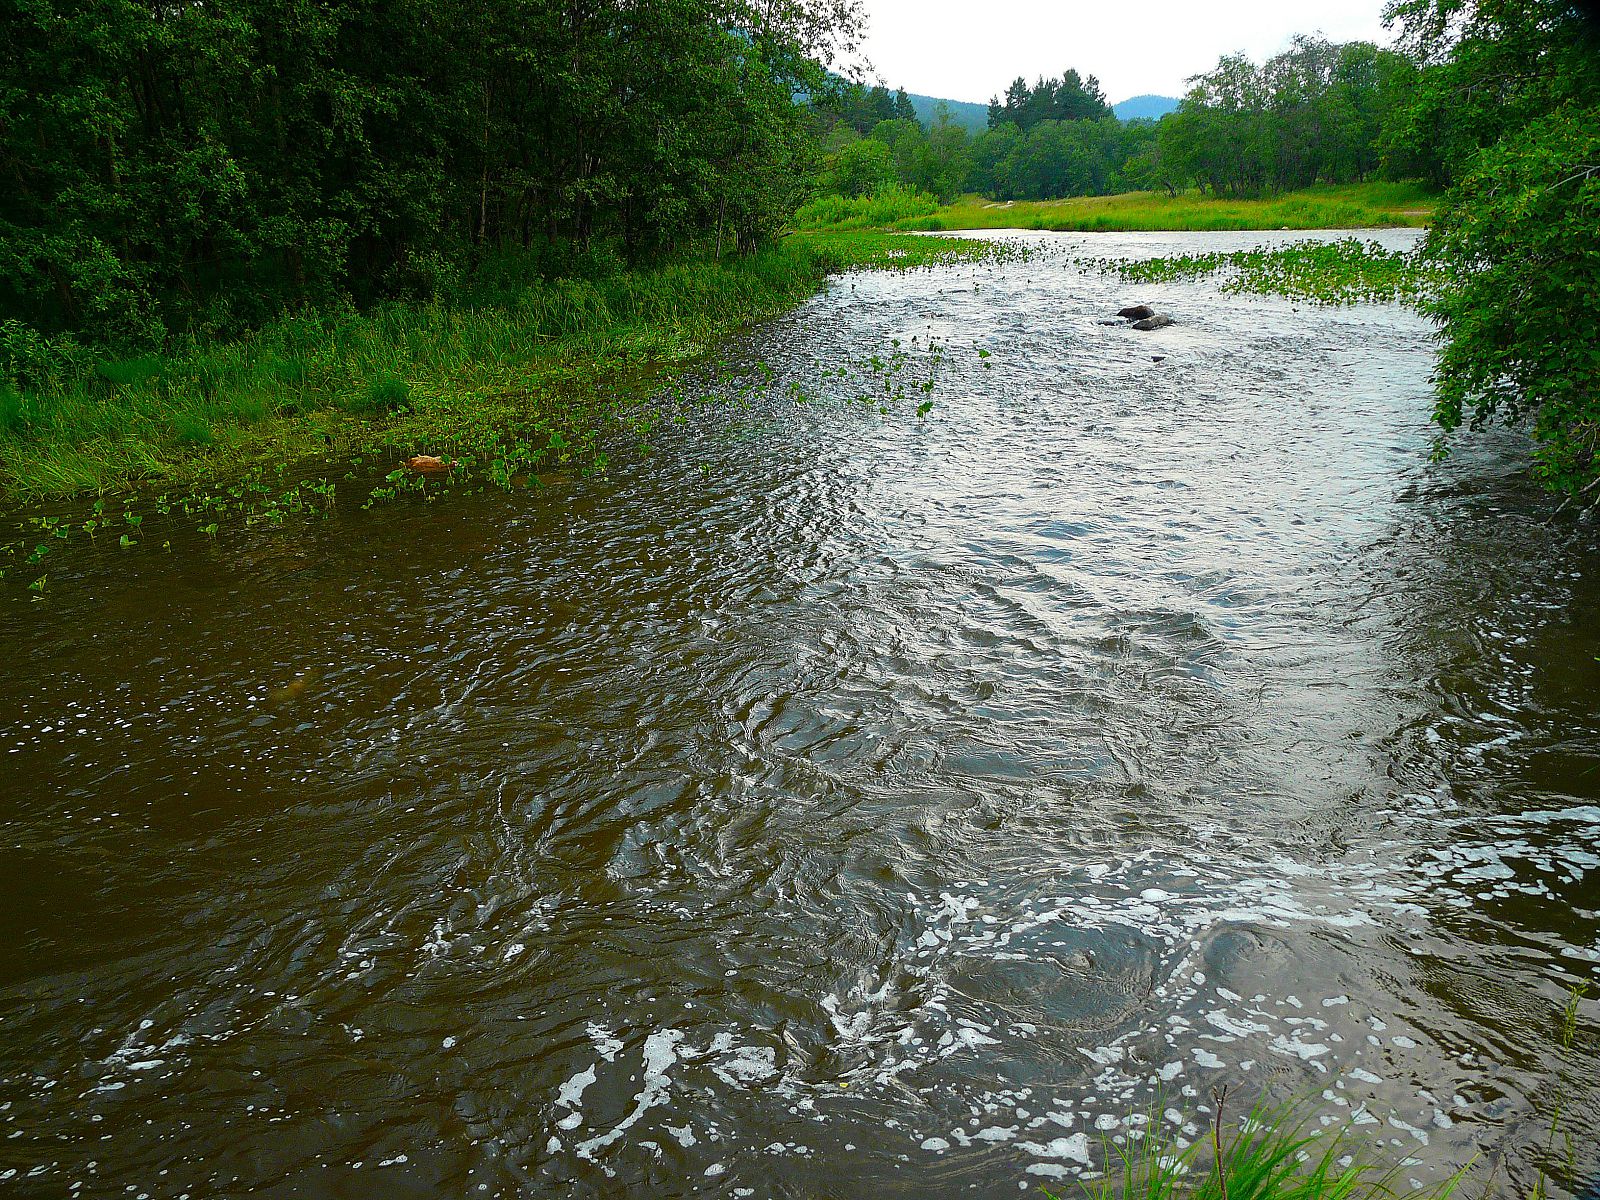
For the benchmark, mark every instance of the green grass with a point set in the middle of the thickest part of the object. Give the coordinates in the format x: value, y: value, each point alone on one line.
x: 1272, y: 1155
x: 534, y: 375
x: 1349, y: 206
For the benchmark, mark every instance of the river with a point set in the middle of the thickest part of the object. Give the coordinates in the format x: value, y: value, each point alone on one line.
x: 834, y: 802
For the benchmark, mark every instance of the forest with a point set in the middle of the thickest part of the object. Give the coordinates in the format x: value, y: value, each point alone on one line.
x: 1318, y: 112
x: 210, y: 165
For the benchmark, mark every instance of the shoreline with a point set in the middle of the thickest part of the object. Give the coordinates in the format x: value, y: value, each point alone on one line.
x: 506, y: 389
x: 1349, y: 206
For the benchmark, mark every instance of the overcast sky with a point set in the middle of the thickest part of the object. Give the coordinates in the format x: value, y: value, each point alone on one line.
x: 966, y: 51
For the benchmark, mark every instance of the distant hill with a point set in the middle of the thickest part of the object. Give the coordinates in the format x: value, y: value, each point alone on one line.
x: 974, y: 116
x: 1144, y: 108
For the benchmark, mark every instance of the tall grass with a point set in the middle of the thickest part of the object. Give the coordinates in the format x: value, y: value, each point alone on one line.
x: 1272, y: 1155
x: 75, y: 419
x: 891, y: 207
x: 1347, y: 206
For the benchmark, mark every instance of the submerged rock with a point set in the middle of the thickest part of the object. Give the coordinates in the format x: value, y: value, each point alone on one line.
x: 428, y: 464
x: 1154, y: 321
x: 1137, y: 312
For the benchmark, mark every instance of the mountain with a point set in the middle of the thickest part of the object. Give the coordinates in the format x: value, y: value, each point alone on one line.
x: 1144, y: 108
x: 974, y: 116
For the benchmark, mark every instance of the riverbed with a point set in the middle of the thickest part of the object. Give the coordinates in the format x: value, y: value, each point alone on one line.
x: 835, y: 801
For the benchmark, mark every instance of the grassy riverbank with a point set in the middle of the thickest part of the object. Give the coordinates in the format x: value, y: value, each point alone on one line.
x: 1348, y: 206
x: 508, y: 378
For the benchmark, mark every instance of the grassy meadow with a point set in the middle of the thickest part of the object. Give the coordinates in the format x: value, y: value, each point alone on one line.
x: 1344, y: 206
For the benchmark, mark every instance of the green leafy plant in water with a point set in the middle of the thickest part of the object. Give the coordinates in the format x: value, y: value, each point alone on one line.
x: 1348, y: 271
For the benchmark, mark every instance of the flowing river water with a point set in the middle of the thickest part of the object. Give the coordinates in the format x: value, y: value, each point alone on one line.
x: 833, y: 803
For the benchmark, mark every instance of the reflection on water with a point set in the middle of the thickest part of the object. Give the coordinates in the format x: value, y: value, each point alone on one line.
x: 838, y: 801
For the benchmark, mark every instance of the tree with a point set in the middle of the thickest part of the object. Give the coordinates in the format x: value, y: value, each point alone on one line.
x: 863, y: 168
x: 1516, y: 84
x: 172, y: 166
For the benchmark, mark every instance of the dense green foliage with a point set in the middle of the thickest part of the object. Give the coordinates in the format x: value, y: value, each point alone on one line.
x: 204, y: 167
x: 1317, y: 113
x: 860, y: 107
x: 888, y: 208
x: 1314, y: 114
x: 1070, y: 98
x: 1507, y: 104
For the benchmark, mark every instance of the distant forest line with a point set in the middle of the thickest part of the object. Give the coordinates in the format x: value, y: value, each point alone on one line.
x: 1319, y: 112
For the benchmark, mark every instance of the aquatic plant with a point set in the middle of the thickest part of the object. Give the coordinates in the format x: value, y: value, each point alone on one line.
x: 1347, y: 271
x: 1559, y: 1146
x: 1271, y: 1155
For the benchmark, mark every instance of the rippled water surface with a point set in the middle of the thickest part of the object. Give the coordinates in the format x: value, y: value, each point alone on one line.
x: 835, y: 803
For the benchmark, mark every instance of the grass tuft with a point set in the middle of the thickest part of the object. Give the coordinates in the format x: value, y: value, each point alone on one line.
x: 385, y: 392
x: 130, y: 371
x: 1272, y: 1155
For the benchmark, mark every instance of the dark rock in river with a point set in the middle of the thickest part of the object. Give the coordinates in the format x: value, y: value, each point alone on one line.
x: 1154, y: 321
x: 1119, y: 324
x: 1138, y: 312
